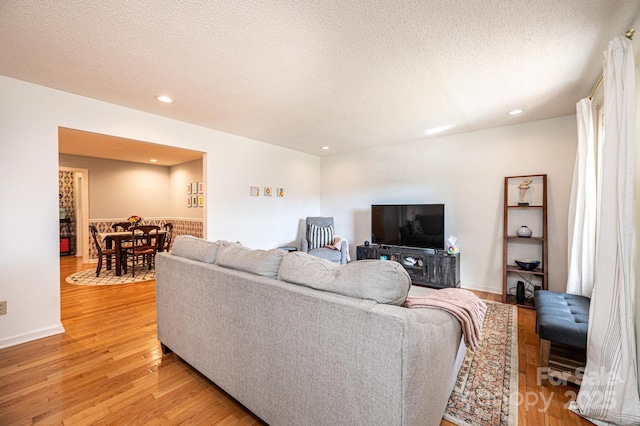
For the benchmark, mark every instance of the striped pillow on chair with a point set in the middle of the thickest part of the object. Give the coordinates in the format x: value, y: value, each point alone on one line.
x: 320, y: 236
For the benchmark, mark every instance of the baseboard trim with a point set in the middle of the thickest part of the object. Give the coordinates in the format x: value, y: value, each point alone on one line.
x: 33, y: 335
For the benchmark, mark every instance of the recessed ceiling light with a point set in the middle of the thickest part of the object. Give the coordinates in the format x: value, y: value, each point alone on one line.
x: 325, y: 147
x: 515, y: 111
x: 165, y: 99
x: 153, y: 160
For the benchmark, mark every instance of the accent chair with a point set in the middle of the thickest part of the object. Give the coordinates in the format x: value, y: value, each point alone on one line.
x: 319, y: 233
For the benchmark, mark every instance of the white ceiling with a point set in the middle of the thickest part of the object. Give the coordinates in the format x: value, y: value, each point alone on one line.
x: 303, y: 74
x: 87, y: 144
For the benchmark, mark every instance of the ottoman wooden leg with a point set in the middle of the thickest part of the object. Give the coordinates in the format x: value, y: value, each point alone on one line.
x: 545, y: 350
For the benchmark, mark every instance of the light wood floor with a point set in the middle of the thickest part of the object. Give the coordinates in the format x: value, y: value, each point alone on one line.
x: 107, y: 368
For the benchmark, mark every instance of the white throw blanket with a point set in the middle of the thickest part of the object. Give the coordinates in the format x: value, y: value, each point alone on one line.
x: 337, y: 243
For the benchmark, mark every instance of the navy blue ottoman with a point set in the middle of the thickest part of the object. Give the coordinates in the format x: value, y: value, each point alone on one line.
x: 561, y: 318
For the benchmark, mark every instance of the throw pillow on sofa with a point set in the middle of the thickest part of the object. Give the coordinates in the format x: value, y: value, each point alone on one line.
x: 383, y: 281
x: 258, y: 262
x: 196, y: 248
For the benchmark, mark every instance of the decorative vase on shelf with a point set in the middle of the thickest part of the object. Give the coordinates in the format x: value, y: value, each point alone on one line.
x: 524, y: 232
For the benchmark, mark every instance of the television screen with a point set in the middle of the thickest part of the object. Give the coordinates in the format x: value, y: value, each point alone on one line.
x: 413, y: 225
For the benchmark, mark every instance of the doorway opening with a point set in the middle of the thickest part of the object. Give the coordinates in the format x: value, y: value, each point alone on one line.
x: 73, y: 185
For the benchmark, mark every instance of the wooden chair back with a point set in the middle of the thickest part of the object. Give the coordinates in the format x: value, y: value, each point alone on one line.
x: 94, y: 234
x: 145, y: 243
x: 107, y: 253
x: 121, y: 226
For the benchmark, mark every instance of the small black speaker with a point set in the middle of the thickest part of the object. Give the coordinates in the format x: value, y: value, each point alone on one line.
x: 520, y: 292
x: 366, y: 243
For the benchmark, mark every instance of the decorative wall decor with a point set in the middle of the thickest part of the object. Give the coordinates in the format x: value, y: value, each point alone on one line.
x: 188, y: 188
x: 200, y: 187
x: 267, y: 191
x: 189, y: 201
x: 200, y: 200
x: 194, y: 188
x: 280, y: 192
x: 254, y: 191
x: 194, y: 201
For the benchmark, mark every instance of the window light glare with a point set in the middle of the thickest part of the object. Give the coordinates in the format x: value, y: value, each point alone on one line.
x: 515, y: 111
x: 440, y: 129
x: 165, y: 99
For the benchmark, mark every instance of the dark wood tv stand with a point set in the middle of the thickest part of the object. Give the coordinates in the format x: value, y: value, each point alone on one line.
x: 431, y: 268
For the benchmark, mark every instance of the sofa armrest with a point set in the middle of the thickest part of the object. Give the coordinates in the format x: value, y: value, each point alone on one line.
x: 433, y: 351
x: 304, y: 245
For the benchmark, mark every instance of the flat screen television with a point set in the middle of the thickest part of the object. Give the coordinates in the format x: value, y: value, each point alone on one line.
x: 412, y: 225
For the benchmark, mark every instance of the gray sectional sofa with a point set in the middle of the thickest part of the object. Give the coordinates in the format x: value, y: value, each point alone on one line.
x: 299, y: 340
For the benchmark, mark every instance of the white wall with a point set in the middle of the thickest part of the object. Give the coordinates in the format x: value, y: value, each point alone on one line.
x: 465, y: 172
x: 29, y: 120
x: 180, y: 175
x: 119, y: 189
x: 262, y: 222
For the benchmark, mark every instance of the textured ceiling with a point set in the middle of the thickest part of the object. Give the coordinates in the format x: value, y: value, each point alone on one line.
x: 347, y: 74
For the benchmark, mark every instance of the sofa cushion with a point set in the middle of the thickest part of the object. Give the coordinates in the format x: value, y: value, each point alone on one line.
x: 383, y: 281
x: 259, y: 262
x: 196, y: 248
x: 320, y: 236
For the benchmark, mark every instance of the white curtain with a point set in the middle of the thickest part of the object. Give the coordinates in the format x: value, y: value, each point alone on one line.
x: 582, y: 208
x: 609, y: 392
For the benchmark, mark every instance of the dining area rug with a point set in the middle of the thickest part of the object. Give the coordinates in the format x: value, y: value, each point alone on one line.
x: 486, y: 389
x: 108, y: 277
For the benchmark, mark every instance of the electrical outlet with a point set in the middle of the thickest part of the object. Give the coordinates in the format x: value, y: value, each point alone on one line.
x: 3, y: 307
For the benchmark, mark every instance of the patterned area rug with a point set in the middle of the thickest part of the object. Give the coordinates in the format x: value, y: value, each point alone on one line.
x: 88, y: 276
x: 485, y: 392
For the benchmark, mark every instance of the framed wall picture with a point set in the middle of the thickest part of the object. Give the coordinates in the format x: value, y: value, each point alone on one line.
x: 200, y: 200
x: 200, y: 187
x: 267, y: 191
x: 194, y: 188
x: 188, y: 188
x: 280, y: 192
x: 194, y: 201
x: 189, y: 200
x: 254, y: 191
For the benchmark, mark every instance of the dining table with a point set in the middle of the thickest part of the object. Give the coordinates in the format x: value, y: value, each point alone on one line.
x: 116, y: 240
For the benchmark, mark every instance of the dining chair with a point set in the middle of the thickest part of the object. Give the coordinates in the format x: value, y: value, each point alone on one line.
x: 145, y: 245
x: 168, y: 236
x: 102, y: 252
x: 121, y: 226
